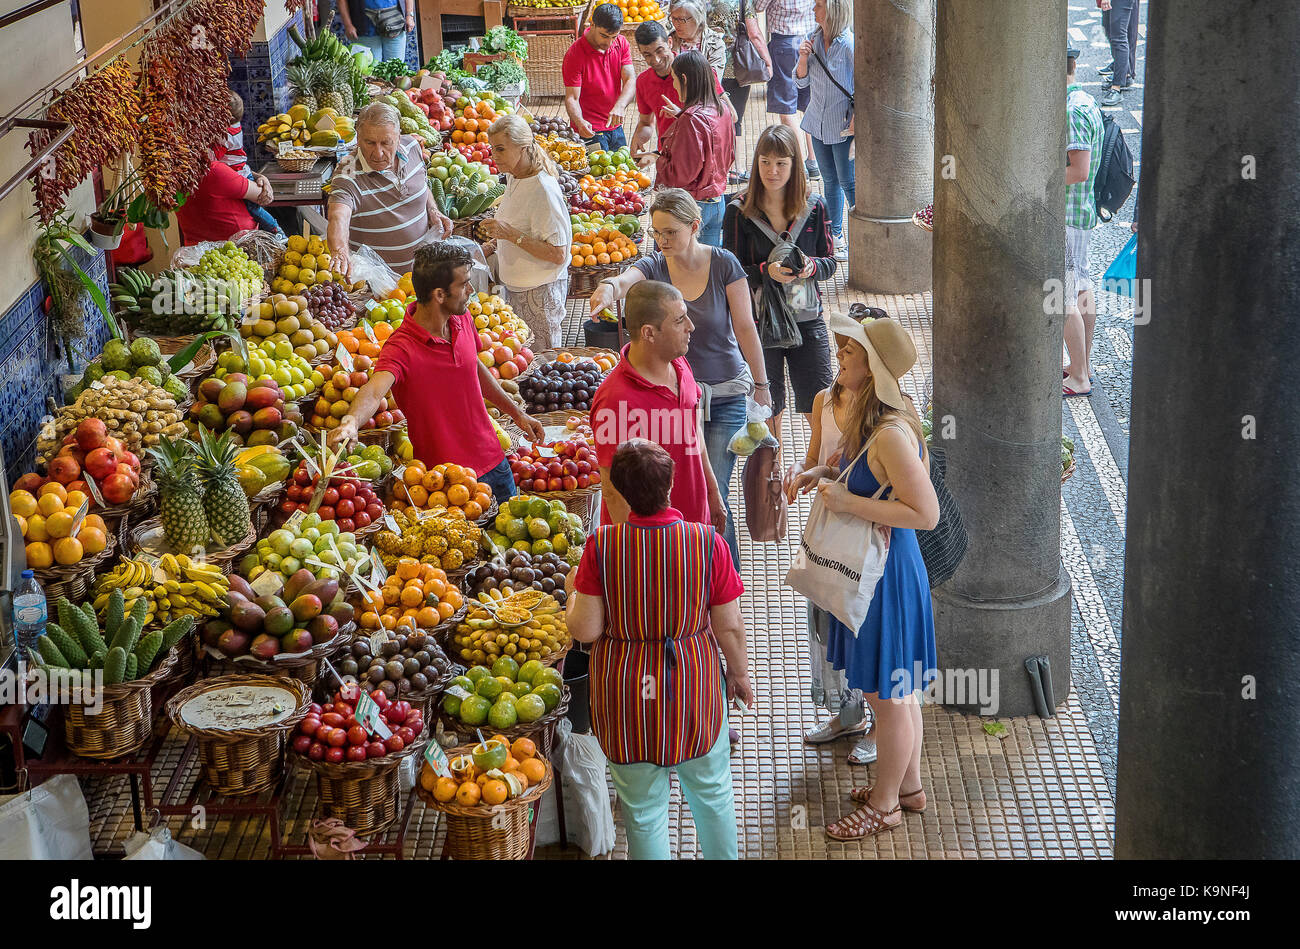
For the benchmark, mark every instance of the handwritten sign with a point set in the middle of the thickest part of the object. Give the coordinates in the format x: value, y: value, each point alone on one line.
x: 80, y: 517
x: 378, y: 572
x: 344, y: 358
x: 94, y: 488
x: 369, y: 331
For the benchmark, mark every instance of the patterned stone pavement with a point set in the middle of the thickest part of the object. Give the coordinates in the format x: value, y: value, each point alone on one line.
x: 1043, y: 788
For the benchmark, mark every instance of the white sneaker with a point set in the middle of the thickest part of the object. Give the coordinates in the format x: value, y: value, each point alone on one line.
x: 841, y: 249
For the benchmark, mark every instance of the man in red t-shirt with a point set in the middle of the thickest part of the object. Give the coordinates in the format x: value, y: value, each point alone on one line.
x: 216, y: 209
x: 657, y: 101
x: 598, y: 80
x: 431, y: 365
x: 652, y: 394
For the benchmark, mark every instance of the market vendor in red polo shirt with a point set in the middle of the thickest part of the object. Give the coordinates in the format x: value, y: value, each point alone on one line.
x: 652, y: 394
x: 598, y: 80
x: 431, y: 365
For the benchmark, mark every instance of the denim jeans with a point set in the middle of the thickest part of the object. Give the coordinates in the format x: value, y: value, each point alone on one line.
x: 711, y: 222
x: 611, y: 140
x: 837, y: 180
x: 643, y: 790
x: 726, y: 417
x: 502, y: 482
x: 1121, y: 25
x: 383, y: 47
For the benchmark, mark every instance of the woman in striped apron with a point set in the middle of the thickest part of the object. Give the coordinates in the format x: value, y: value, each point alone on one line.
x: 658, y: 597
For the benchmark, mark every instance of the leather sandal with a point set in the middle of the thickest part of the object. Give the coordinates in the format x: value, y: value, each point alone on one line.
x: 862, y: 794
x: 827, y: 732
x: 866, y: 821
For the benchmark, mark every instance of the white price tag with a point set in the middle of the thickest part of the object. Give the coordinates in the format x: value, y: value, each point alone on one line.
x: 295, y: 520
x: 268, y: 583
x: 390, y: 523
x: 367, y: 714
x: 377, y: 641
x: 344, y: 358
x: 94, y: 488
x: 369, y: 331
x: 378, y: 572
x: 457, y: 691
x: 428, y: 82
x: 97, y: 384
x: 79, y: 518
x: 284, y: 147
x: 437, y: 759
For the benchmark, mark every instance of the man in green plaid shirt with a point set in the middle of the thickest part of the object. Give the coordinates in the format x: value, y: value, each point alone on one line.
x: 1083, y: 152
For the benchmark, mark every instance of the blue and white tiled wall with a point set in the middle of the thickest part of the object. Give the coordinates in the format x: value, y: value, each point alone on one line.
x: 260, y: 81
x: 32, y: 360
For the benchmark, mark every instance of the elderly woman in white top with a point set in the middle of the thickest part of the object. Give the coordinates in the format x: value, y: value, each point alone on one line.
x: 530, y: 231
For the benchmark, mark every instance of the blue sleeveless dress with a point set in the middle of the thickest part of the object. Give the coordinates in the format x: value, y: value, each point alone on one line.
x: 894, y: 652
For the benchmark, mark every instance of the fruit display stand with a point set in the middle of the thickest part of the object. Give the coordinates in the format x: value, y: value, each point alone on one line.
x: 363, y: 794
x: 73, y: 580
x: 541, y: 731
x: 489, y: 832
x: 304, y: 667
x: 549, y: 33
x: 240, y: 722
x: 583, y: 280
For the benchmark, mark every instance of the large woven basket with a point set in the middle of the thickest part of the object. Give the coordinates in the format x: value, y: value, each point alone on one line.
x: 74, y: 580
x: 305, y: 668
x: 529, y: 730
x: 583, y: 280
x: 488, y: 832
x: 362, y: 794
x: 240, y: 761
x: 125, y: 721
x: 548, y: 38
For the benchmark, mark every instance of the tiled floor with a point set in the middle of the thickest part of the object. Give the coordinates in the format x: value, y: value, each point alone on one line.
x: 1040, y: 789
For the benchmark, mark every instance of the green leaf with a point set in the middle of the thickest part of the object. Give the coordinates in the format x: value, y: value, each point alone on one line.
x: 180, y: 360
x: 996, y: 729
x: 87, y: 283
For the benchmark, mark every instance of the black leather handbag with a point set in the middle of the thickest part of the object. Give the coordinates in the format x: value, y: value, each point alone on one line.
x: 745, y: 61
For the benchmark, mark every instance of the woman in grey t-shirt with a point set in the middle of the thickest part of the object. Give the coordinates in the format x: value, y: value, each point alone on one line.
x: 725, y: 354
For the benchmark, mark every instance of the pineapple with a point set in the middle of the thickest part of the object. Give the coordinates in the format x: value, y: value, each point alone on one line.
x: 224, y: 503
x: 180, y: 500
x: 301, y: 79
x: 332, y: 88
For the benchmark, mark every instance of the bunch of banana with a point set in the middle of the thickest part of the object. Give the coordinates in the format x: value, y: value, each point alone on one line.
x: 173, y: 302
x: 187, y: 588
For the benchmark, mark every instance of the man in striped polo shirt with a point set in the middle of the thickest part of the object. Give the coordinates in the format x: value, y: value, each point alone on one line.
x: 380, y: 197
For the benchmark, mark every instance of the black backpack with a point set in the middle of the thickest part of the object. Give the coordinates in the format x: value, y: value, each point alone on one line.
x: 1114, y: 181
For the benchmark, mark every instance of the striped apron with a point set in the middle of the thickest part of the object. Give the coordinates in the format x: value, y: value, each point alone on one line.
x: 656, y: 675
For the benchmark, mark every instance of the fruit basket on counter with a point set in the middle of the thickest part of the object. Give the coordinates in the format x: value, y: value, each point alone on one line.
x: 73, y: 580
x: 487, y: 821
x: 240, y: 722
x: 355, y: 765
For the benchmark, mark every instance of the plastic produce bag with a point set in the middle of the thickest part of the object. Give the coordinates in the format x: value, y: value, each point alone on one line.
x: 1122, y: 272
x: 49, y: 822
x: 370, y: 267
x: 263, y: 246
x: 158, y: 845
x: 480, y: 274
x: 755, y: 432
x: 588, y: 815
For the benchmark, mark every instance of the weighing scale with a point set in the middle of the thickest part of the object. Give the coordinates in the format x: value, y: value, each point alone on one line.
x: 298, y: 185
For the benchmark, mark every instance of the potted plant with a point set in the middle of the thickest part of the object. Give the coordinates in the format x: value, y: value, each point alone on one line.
x: 110, y: 218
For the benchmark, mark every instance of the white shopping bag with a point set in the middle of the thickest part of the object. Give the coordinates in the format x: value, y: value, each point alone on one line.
x: 49, y: 822
x: 158, y: 845
x: 840, y: 559
x: 588, y: 816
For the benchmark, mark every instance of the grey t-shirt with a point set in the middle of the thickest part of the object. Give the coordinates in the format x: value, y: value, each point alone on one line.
x: 714, y: 355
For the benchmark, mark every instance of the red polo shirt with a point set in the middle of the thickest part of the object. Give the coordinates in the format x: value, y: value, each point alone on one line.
x: 627, y: 405
x: 724, y: 586
x: 436, y: 385
x: 598, y: 77
x: 650, y: 88
x: 216, y: 210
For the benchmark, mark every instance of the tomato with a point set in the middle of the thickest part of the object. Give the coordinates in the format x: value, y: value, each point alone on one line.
x: 356, y: 735
x: 405, y: 734
x: 334, y: 755
x: 380, y: 699
x: 316, y: 751
x: 398, y: 711
x: 345, y: 709
x: 314, y: 709
x: 309, y: 725
x: 302, y: 743
x: 356, y: 753
x: 332, y: 719
x: 338, y: 738
x: 394, y: 744
x: 375, y: 749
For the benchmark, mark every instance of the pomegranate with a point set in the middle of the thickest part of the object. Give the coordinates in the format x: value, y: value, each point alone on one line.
x: 116, y: 489
x: 64, y: 469
x: 91, y: 433
x: 101, y: 463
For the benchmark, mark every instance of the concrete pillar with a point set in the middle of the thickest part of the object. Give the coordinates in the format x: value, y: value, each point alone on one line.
x: 998, y: 233
x: 1209, y: 765
x: 893, y: 122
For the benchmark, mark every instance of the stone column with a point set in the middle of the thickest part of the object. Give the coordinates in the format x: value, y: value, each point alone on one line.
x: 894, y: 125
x: 1208, y: 706
x: 999, y: 234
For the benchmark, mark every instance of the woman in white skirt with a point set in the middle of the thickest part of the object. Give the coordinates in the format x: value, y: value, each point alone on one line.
x: 831, y: 409
x: 530, y: 231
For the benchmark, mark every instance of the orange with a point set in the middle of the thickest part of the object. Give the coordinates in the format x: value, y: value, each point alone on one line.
x: 384, y: 330
x: 36, y: 528
x: 435, y: 479
x: 473, y: 510
x: 408, y: 568
x: 435, y: 587
x: 495, y: 792
x: 388, y: 622
x: 95, y: 521
x: 523, y: 749
x: 391, y: 595
x: 453, y: 597
x: 445, y: 610
x: 49, y: 504
x: 58, y: 490
x: 437, y: 499
x: 349, y: 342
x: 92, y: 539
x: 68, y: 550
x: 428, y: 617
x: 414, y: 473
x: 39, y: 555
x: 468, y: 794
x: 370, y: 620
x: 22, y: 503
x: 616, y: 258
x: 603, y: 258
x: 482, y: 498
x: 589, y: 260
x: 458, y: 494
x: 59, y: 524
x: 411, y: 596
x: 444, y: 789
x: 511, y: 764
x: 599, y: 248
x: 534, y: 769
x: 417, y: 495
x: 428, y: 779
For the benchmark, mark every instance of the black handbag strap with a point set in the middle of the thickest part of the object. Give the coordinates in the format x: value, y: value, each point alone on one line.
x: 820, y: 63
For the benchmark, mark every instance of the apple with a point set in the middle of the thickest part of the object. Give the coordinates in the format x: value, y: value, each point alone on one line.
x: 555, y: 484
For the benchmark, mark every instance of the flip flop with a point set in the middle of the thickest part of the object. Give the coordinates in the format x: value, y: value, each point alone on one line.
x: 1092, y: 378
x: 1068, y: 393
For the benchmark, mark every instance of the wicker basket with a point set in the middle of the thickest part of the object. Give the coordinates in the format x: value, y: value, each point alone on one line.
x: 125, y: 721
x: 548, y: 38
x: 522, y: 11
x: 60, y: 580
x: 362, y: 794
x: 240, y: 761
x: 224, y: 558
x: 297, y: 164
x: 304, y: 668
x: 488, y: 832
x: 521, y: 730
x: 583, y: 280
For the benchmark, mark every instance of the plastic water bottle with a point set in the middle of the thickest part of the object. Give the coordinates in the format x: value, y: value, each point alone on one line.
x: 30, y: 613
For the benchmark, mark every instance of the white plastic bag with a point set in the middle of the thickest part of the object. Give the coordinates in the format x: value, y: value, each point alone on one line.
x: 480, y: 274
x: 370, y: 267
x: 158, y: 845
x: 263, y: 246
x: 49, y: 822
x: 588, y: 816
x: 755, y: 432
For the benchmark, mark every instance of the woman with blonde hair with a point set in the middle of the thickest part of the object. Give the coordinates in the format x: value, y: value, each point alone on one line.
x: 825, y: 69
x: 778, y: 204
x: 888, y: 484
x: 724, y: 355
x: 530, y: 232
